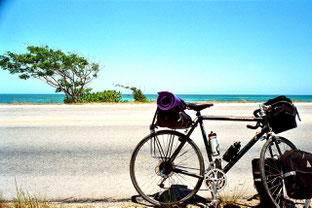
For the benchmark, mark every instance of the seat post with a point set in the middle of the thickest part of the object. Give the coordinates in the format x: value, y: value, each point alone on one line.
x: 198, y: 113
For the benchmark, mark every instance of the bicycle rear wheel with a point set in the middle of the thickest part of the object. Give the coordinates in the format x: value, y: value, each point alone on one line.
x: 161, y: 181
x: 271, y: 171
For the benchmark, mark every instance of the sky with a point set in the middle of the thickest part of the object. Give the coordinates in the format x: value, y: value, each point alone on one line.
x: 186, y: 47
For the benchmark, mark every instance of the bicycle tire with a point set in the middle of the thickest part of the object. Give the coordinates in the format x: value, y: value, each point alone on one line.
x: 151, y: 172
x: 271, y: 172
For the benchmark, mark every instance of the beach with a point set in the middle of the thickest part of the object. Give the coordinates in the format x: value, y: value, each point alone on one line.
x: 82, y: 152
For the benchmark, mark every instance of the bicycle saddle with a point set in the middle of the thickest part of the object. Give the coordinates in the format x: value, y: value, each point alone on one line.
x: 198, y: 107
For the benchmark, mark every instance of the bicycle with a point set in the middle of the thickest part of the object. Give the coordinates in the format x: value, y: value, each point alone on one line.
x: 167, y: 168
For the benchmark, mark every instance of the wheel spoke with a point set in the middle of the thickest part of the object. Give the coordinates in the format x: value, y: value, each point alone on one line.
x: 271, y: 181
x: 160, y: 149
x: 275, y: 187
x: 180, y: 178
x: 271, y: 174
x: 272, y: 165
x: 179, y: 171
x: 279, y: 194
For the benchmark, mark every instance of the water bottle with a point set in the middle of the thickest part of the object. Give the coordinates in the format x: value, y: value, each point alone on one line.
x: 231, y: 152
x: 214, y: 144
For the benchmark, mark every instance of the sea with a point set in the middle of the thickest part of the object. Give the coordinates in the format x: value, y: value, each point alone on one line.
x: 59, y: 98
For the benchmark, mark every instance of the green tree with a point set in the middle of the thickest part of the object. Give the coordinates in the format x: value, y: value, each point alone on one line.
x: 137, y: 93
x: 68, y: 73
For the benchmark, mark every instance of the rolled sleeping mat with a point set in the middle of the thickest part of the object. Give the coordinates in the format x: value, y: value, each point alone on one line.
x: 167, y: 100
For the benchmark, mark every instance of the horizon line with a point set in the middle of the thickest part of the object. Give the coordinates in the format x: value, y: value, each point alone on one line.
x: 174, y: 93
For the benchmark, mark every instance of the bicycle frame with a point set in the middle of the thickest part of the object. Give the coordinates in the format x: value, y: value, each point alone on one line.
x: 199, y: 120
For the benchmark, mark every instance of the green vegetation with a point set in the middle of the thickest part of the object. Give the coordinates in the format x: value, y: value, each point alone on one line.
x: 232, y: 199
x: 111, y: 96
x: 67, y: 73
x: 137, y: 93
x: 24, y: 200
x: 60, y: 205
x: 1, y: 200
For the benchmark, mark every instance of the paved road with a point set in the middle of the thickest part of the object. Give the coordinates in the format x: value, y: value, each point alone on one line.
x: 83, y: 152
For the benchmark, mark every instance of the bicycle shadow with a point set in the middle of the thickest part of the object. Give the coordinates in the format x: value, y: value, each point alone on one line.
x: 195, y: 201
x: 198, y: 201
x: 177, y: 192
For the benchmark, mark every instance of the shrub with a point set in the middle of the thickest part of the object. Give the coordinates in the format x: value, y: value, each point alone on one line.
x: 98, y: 97
x: 137, y: 93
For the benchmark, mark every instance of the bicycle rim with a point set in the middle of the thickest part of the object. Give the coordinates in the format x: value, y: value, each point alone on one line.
x: 152, y: 173
x: 271, y: 171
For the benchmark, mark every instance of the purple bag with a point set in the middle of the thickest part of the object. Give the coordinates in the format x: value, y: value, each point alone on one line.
x: 167, y: 100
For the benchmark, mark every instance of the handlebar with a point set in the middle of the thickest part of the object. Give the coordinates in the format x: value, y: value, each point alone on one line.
x: 253, y: 127
x: 259, y: 113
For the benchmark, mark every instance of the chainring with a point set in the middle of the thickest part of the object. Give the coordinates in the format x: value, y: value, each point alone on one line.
x: 217, y: 177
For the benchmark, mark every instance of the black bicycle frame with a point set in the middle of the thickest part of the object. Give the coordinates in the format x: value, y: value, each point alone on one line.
x: 245, y: 149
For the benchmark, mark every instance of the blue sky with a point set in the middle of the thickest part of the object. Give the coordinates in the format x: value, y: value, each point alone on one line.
x: 202, y: 47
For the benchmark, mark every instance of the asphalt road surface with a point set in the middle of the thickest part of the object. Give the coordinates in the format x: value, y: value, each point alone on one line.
x: 82, y: 152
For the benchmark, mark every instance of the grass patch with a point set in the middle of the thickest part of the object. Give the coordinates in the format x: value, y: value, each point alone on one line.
x: 24, y: 199
x: 233, y: 198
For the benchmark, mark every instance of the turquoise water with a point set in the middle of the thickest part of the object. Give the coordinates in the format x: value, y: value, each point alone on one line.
x: 59, y: 98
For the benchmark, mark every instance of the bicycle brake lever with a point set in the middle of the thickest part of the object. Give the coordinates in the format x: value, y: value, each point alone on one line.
x: 253, y: 127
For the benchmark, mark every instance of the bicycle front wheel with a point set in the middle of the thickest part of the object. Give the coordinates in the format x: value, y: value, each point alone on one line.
x: 271, y: 171
x: 159, y: 178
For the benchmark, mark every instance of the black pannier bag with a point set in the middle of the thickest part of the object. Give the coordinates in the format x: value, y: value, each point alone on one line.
x: 175, y: 118
x: 281, y: 114
x: 264, y: 198
x: 258, y: 182
x: 297, y: 171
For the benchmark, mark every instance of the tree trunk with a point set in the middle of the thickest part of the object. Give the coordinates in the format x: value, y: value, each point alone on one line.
x: 75, y: 99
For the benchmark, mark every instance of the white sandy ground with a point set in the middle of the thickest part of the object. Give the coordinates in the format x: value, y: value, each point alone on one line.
x: 82, y: 152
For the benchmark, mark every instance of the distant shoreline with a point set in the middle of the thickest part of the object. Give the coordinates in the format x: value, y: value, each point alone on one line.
x: 58, y: 99
x: 133, y: 103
